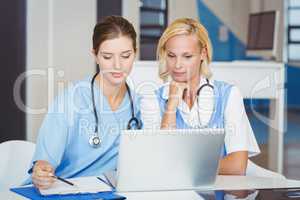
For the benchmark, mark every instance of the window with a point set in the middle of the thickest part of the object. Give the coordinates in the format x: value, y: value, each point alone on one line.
x: 294, y: 30
x: 153, y: 21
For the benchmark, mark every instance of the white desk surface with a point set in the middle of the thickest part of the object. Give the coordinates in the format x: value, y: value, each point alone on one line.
x: 222, y: 183
x: 248, y: 182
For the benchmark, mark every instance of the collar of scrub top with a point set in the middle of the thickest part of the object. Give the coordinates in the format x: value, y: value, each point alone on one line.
x: 132, y: 123
x: 204, y: 82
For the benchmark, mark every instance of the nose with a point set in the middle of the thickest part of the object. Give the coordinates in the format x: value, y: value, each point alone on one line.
x: 178, y: 64
x: 117, y: 63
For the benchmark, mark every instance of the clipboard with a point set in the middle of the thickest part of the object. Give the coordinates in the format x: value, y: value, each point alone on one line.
x: 32, y: 193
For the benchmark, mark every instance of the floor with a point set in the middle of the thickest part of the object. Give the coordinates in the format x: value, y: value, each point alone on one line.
x: 291, y: 142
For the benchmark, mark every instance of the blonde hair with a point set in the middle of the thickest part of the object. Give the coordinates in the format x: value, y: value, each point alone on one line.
x: 184, y: 26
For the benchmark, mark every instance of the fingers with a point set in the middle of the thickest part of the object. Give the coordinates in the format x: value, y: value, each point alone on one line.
x: 182, y: 86
x: 178, y: 89
x: 42, y: 173
x: 42, y: 182
x: 42, y: 176
x: 44, y: 166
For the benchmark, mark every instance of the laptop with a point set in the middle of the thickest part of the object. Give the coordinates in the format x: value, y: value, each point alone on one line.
x: 159, y: 160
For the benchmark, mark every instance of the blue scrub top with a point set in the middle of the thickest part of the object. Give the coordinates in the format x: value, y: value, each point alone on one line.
x: 63, y: 138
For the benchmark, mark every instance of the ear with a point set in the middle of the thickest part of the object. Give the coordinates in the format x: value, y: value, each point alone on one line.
x: 93, y: 52
x: 203, y: 53
x: 135, y: 54
x: 94, y: 55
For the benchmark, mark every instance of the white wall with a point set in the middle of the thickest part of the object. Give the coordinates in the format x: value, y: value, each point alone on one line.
x: 131, y: 11
x: 179, y: 8
x: 233, y: 13
x: 59, y: 42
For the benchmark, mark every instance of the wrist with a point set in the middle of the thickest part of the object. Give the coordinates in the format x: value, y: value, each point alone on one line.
x: 171, y: 105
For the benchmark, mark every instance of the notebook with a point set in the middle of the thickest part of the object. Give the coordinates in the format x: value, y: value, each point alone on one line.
x: 81, y: 185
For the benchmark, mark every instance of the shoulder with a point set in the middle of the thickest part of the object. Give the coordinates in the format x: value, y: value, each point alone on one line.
x: 134, y: 92
x: 235, y: 101
x: 151, y: 98
x: 79, y: 93
x: 221, y: 84
x: 236, y: 92
x: 163, y: 91
x: 231, y: 89
x: 74, y: 94
x: 82, y: 86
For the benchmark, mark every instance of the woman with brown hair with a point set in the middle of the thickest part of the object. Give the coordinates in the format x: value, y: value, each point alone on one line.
x: 80, y: 133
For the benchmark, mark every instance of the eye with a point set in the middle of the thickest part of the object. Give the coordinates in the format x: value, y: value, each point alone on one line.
x: 106, y: 57
x: 188, y: 56
x: 170, y: 55
x: 125, y: 56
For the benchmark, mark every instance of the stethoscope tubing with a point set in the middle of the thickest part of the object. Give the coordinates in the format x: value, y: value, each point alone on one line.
x: 133, y: 119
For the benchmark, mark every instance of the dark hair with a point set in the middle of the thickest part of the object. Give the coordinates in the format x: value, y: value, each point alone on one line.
x: 112, y: 27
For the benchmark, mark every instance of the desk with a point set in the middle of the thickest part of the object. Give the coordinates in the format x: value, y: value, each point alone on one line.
x: 222, y: 183
x: 229, y: 183
x: 255, y: 79
x: 216, y: 195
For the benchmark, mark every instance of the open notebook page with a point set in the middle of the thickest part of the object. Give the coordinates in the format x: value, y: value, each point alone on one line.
x: 81, y: 185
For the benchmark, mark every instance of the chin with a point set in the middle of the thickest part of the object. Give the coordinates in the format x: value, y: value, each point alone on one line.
x: 117, y: 82
x: 179, y: 79
x: 113, y: 81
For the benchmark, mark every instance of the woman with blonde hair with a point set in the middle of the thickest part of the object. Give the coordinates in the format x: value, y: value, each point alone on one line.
x: 191, y: 98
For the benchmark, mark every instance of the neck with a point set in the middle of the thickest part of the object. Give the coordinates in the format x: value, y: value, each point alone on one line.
x: 193, y: 85
x: 192, y: 91
x: 113, y: 93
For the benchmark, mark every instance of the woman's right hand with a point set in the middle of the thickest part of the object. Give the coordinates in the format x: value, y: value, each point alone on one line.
x: 42, y: 175
x: 176, y: 93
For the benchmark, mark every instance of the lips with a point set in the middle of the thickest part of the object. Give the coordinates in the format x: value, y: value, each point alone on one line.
x: 117, y: 74
x: 178, y: 73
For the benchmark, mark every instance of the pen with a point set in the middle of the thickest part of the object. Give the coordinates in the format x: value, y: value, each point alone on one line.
x: 103, y: 181
x: 107, y: 179
x: 107, y: 183
x: 63, y: 180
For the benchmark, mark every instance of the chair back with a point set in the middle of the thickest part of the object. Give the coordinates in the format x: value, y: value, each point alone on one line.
x: 15, y: 159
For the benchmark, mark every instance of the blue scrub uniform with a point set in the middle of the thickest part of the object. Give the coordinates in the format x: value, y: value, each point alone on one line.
x: 63, y: 138
x: 217, y: 120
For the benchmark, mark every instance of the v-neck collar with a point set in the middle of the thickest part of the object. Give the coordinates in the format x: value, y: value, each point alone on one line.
x: 102, y: 103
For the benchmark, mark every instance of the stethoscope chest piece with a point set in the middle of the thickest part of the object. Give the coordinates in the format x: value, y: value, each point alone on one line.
x: 95, y: 141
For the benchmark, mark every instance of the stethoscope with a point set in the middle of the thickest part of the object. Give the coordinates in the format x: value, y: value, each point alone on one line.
x: 95, y: 140
x: 210, y: 87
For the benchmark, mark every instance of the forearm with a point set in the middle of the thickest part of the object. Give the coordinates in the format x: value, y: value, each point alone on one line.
x: 175, y: 95
x: 234, y: 163
x: 169, y: 118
